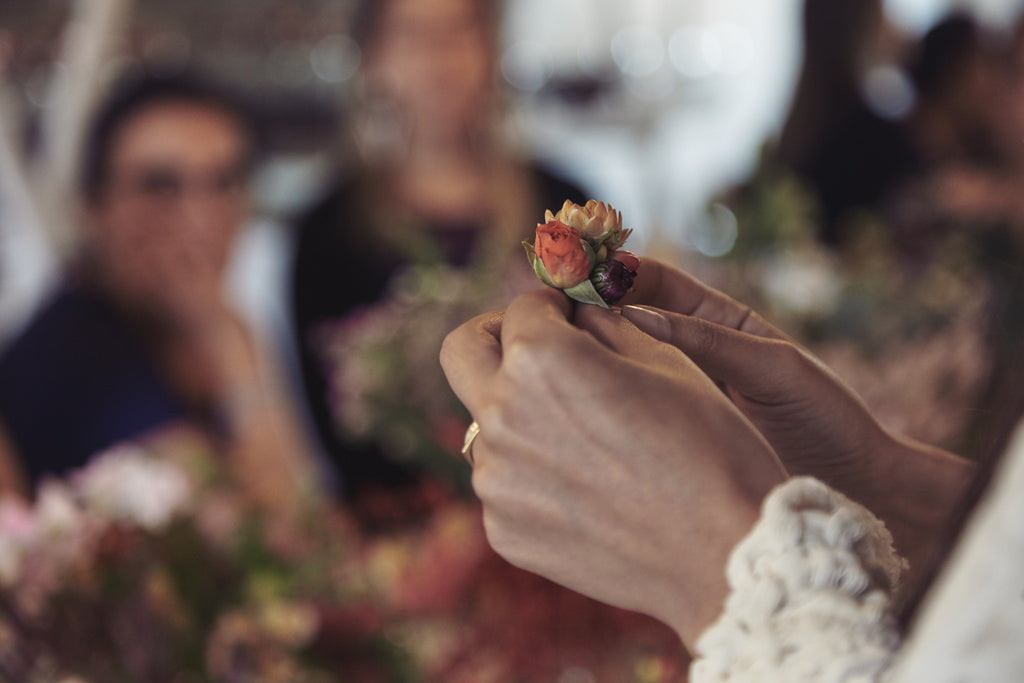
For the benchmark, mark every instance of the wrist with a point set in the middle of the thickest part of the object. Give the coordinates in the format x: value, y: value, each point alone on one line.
x: 919, y: 481
x: 916, y: 492
x: 701, y: 587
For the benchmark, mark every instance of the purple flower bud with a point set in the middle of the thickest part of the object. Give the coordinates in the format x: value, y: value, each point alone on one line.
x: 612, y: 279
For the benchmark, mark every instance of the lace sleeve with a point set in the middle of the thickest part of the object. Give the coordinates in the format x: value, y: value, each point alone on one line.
x: 811, y: 591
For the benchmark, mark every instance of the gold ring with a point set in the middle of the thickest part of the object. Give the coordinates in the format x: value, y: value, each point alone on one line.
x: 467, y: 443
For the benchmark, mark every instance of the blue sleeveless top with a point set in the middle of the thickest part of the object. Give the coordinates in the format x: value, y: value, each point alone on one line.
x: 76, y: 381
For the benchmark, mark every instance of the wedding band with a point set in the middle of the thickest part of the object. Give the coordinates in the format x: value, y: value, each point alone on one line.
x: 467, y: 443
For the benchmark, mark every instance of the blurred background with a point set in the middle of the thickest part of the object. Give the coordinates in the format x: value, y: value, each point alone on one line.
x: 852, y: 168
x: 653, y: 105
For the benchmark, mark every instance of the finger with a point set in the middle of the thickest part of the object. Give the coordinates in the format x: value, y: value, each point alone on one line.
x: 671, y: 289
x: 750, y: 363
x: 534, y: 323
x: 622, y: 336
x: 470, y: 356
x: 536, y: 313
x: 543, y: 353
x: 663, y: 286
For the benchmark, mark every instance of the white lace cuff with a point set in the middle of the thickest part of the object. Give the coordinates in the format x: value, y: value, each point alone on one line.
x: 811, y: 591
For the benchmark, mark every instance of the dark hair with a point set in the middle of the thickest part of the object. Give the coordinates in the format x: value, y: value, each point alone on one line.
x: 943, y: 51
x: 137, y: 92
x: 835, y: 32
x: 366, y: 17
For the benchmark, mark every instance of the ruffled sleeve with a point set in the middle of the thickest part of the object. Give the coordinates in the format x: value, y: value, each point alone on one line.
x: 811, y: 590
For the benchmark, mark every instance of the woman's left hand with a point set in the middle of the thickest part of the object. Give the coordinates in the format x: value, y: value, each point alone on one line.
x: 607, y: 461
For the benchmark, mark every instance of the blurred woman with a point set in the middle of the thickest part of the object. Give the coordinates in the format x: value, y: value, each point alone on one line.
x: 834, y: 140
x: 139, y: 339
x: 433, y: 183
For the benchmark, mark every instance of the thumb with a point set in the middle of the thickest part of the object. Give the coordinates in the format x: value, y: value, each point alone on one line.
x: 753, y: 365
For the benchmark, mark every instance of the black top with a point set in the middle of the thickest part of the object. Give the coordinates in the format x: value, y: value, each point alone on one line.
x: 341, y: 264
x: 77, y: 381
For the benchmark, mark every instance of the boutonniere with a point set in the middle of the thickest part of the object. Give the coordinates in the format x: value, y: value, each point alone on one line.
x: 579, y: 250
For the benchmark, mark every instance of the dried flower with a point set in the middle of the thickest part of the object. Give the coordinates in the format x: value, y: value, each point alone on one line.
x: 595, y: 220
x: 573, y: 251
x: 612, y: 279
x: 561, y: 251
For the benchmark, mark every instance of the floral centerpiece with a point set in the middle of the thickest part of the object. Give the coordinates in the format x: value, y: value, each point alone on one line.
x: 144, y: 568
x: 158, y: 568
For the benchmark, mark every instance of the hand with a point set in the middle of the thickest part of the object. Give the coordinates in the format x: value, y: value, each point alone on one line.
x: 170, y: 273
x: 607, y: 461
x: 186, y: 287
x: 815, y: 423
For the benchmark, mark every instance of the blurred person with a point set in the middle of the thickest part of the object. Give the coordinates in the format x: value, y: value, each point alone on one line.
x: 964, y: 126
x: 967, y: 128
x: 945, y: 151
x: 433, y: 182
x: 138, y: 340
x: 834, y: 138
x: 956, y: 77
x: 943, y: 188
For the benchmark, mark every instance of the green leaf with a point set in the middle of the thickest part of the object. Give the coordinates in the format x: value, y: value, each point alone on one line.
x: 538, y: 265
x: 585, y: 293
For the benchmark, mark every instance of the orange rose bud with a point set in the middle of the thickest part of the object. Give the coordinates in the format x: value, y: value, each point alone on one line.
x: 560, y: 249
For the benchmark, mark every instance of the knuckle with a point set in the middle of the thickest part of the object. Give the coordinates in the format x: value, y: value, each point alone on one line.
x: 530, y: 360
x: 704, y: 339
x: 794, y: 358
x: 519, y: 357
x: 493, y: 420
x: 789, y: 362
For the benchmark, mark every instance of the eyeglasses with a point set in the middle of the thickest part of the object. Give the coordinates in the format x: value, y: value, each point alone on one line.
x: 169, y: 185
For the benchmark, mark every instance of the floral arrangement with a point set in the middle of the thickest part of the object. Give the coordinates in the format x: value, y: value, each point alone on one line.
x: 157, y: 567
x: 579, y: 250
x: 143, y: 568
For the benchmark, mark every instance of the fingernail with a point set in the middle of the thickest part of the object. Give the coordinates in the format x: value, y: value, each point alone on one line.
x: 648, y: 320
